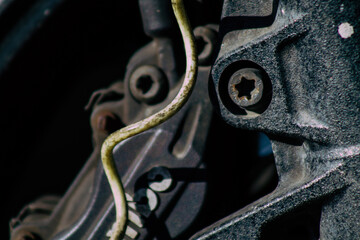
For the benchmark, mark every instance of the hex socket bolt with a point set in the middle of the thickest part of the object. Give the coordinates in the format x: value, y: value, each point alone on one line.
x: 246, y: 87
x: 147, y: 84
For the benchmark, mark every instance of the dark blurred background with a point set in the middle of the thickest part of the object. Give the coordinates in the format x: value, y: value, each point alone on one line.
x: 80, y: 47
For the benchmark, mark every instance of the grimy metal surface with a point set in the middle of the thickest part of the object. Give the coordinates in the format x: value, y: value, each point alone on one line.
x: 87, y: 210
x: 311, y: 53
x: 308, y: 55
x: 176, y: 145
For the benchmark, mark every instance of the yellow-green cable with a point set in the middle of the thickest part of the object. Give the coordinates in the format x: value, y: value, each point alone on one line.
x: 111, y: 141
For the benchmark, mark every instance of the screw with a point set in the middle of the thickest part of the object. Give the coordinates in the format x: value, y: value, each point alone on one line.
x: 147, y: 84
x: 246, y: 87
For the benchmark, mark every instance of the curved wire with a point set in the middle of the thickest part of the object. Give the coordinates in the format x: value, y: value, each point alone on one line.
x: 112, y: 140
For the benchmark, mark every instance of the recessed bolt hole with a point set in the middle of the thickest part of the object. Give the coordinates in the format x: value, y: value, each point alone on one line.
x: 144, y: 83
x: 143, y: 201
x: 245, y: 87
x: 158, y: 178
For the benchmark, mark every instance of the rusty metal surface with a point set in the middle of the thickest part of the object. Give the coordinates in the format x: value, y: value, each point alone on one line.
x: 246, y: 87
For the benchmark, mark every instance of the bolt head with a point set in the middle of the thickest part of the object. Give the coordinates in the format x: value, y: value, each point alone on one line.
x: 246, y: 87
x: 148, y: 84
x: 107, y: 122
